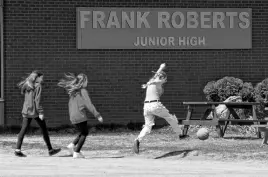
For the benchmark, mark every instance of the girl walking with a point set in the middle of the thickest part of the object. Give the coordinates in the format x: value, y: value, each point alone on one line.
x: 31, y: 88
x: 153, y: 106
x: 78, y: 102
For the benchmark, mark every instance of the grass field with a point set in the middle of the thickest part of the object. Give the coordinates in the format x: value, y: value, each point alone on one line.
x: 160, y: 144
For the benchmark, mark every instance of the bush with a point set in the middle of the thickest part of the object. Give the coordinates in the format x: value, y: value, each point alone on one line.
x: 211, y: 92
x: 223, y: 88
x: 261, y: 91
x: 260, y: 95
x: 220, y: 90
x: 247, y: 92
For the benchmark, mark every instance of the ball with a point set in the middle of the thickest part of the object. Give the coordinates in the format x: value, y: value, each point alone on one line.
x: 202, y: 133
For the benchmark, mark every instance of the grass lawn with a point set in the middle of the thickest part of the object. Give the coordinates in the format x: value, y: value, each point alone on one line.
x: 160, y: 144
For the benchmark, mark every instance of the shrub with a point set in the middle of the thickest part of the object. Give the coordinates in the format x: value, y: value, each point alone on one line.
x: 261, y: 91
x: 211, y: 92
x: 260, y: 95
x: 247, y: 92
x: 223, y: 88
x: 220, y: 90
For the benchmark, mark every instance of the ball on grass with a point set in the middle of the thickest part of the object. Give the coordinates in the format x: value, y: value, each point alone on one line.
x: 202, y: 133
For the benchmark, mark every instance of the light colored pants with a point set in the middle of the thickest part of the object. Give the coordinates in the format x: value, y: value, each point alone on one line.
x: 150, y: 110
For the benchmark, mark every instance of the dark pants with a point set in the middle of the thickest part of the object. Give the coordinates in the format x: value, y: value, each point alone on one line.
x: 26, y: 123
x: 81, y: 138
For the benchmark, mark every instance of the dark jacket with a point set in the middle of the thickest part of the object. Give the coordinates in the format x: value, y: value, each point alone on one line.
x: 31, y: 106
x: 77, y: 105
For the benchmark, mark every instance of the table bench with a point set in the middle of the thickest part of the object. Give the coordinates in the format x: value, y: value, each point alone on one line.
x: 221, y: 124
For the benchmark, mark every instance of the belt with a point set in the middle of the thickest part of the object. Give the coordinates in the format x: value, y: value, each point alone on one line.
x: 151, y: 101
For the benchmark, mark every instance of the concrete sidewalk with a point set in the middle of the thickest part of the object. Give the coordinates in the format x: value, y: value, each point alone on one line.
x: 124, y: 166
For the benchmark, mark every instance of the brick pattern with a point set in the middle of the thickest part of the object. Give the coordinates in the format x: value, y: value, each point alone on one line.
x: 42, y: 35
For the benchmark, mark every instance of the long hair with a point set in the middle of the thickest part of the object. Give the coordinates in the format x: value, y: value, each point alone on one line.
x: 28, y: 83
x: 72, y: 83
x: 162, y: 75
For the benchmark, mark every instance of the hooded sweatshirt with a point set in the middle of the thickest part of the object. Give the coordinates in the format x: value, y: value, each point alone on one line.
x: 31, y: 106
x: 77, y: 105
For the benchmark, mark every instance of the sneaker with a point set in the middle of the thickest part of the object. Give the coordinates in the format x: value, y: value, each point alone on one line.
x: 71, y: 147
x: 19, y: 153
x: 136, y: 147
x: 54, y: 151
x: 183, y: 136
x: 78, y: 155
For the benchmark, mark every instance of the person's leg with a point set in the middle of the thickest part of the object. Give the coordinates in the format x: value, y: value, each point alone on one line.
x: 163, y: 112
x: 265, y: 138
x: 42, y: 125
x: 72, y: 145
x: 77, y: 139
x: 147, y: 127
x: 82, y: 127
x: 25, y: 124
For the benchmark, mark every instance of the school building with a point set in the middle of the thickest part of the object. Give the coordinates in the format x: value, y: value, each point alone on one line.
x: 118, y: 43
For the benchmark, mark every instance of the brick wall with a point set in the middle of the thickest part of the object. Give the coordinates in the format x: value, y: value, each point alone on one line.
x: 41, y: 34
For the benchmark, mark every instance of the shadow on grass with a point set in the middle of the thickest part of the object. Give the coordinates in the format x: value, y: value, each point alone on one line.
x: 175, y: 153
x: 26, y: 146
x: 104, y: 157
x: 68, y: 155
x: 108, y: 157
x: 241, y: 138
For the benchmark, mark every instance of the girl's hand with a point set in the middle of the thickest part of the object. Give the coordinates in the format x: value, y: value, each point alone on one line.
x: 41, y: 116
x: 164, y: 80
x: 100, y: 119
x: 163, y: 65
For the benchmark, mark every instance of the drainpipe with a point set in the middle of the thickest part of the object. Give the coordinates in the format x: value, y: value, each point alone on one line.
x: 2, y: 115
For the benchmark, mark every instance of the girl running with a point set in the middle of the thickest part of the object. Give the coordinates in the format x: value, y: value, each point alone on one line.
x: 31, y: 88
x: 153, y: 106
x: 78, y: 102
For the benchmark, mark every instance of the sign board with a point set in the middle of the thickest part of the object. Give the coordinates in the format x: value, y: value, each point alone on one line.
x: 163, y: 28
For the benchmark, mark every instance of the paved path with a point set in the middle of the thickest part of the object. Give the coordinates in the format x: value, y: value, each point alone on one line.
x: 125, y: 166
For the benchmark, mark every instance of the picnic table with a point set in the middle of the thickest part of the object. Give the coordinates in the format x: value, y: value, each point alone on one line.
x: 220, y: 123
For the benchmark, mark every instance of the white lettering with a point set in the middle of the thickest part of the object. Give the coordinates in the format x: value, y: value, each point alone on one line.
x: 231, y: 15
x: 126, y: 20
x: 171, y: 41
x: 137, y: 43
x: 143, y: 41
x: 98, y: 17
x: 141, y: 19
x: 182, y: 41
x: 243, y: 16
x: 163, y: 17
x: 173, y: 20
x: 163, y: 41
x: 205, y: 19
x: 202, y: 40
x: 154, y: 41
x: 191, y: 41
x: 192, y: 20
x: 176, y: 19
x: 113, y: 20
x: 83, y: 18
x: 151, y: 41
x: 218, y: 18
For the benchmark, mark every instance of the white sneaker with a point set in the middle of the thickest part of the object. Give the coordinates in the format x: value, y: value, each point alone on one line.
x: 78, y: 155
x: 71, y: 147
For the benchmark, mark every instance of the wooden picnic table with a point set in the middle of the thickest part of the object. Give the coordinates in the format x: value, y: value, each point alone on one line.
x: 221, y: 124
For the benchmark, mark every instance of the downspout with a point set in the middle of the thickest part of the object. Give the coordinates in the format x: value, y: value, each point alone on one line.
x: 2, y: 115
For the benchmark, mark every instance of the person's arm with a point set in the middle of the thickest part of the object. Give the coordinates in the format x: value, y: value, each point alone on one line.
x: 90, y: 106
x: 161, y: 68
x: 39, y: 108
x: 154, y: 80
